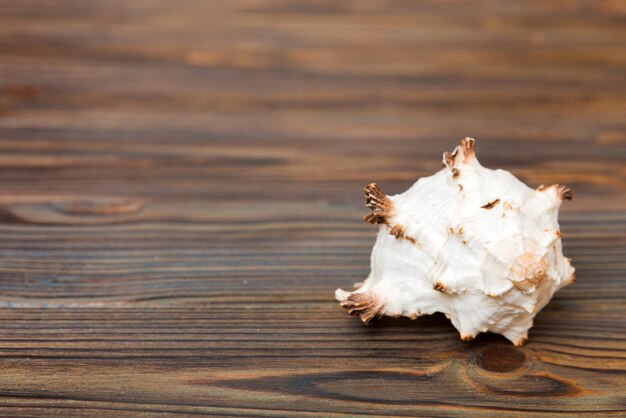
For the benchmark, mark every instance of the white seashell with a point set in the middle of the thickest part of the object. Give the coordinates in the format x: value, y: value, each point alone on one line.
x: 474, y: 243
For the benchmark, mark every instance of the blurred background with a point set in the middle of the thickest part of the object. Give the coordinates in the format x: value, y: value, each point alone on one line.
x: 261, y: 121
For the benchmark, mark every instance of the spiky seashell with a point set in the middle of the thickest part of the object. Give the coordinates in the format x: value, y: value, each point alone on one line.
x: 474, y: 243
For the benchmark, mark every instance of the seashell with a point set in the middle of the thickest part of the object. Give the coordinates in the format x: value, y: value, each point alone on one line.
x: 475, y: 244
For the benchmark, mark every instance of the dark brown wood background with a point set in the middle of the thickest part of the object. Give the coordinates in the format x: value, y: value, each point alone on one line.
x: 181, y: 193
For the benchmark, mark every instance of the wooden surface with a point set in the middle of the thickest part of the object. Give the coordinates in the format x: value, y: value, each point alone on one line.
x: 181, y: 193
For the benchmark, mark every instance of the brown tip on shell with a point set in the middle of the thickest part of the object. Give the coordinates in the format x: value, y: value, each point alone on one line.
x: 373, y: 219
x: 439, y: 287
x: 558, y: 234
x: 364, y: 305
x: 565, y: 193
x: 397, y: 231
x: 379, y: 202
x: 448, y: 159
x: 468, y: 145
x: 456, y: 172
x: 460, y: 187
x: 467, y: 337
x: 572, y: 278
x: 520, y: 342
x: 491, y: 204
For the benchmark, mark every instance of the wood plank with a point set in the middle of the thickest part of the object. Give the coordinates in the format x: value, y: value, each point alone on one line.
x: 309, y: 359
x: 181, y: 193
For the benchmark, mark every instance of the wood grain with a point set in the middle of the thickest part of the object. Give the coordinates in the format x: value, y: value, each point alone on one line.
x: 181, y: 193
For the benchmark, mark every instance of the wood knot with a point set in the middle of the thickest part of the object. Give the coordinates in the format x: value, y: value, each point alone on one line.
x: 500, y: 359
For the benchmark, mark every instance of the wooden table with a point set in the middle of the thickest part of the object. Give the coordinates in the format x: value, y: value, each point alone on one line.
x: 181, y: 193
